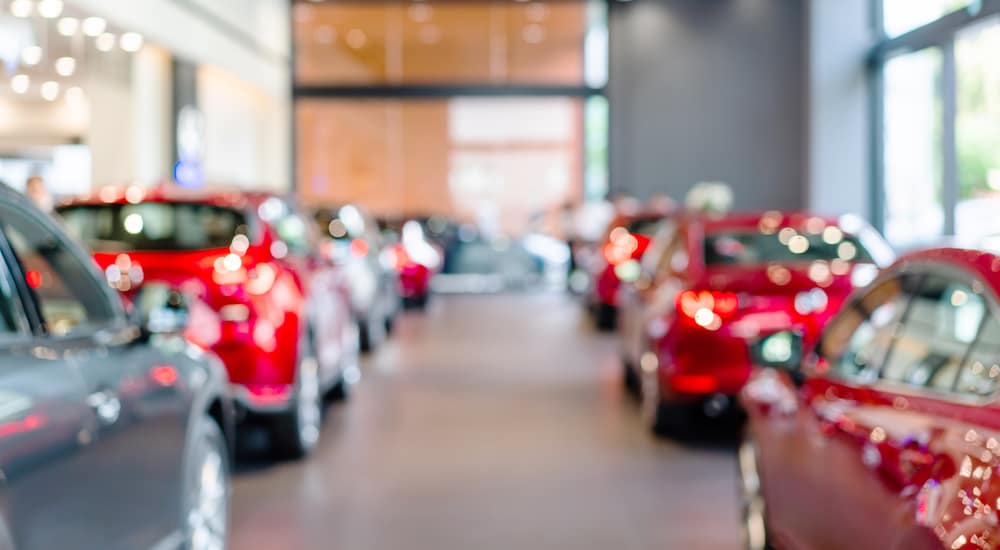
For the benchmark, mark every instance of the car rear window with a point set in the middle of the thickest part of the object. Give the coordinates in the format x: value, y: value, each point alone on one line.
x: 154, y: 226
x: 646, y: 227
x: 785, y: 246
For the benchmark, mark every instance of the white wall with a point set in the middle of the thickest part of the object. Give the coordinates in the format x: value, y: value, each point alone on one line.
x: 838, y: 129
x: 243, y: 143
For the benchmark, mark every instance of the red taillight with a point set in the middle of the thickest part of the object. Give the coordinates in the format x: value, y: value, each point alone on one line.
x: 693, y: 302
x: 694, y: 383
x: 164, y: 375
x: 620, y: 249
x: 33, y: 278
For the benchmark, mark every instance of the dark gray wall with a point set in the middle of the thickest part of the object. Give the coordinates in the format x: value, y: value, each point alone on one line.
x: 709, y: 90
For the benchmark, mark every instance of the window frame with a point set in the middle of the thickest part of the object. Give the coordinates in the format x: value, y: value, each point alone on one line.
x: 29, y: 300
x: 940, y: 33
x: 922, y: 270
x: 25, y: 329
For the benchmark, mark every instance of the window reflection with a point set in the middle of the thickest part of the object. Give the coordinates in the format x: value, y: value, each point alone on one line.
x: 901, y: 16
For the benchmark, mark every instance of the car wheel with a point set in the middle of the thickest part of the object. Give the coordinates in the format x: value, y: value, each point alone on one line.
x: 754, y: 519
x: 294, y: 434
x: 371, y: 331
x: 605, y: 317
x: 205, y: 514
x: 630, y: 379
x: 663, y: 419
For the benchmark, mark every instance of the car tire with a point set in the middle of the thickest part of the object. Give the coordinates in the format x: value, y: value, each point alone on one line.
x: 755, y: 535
x: 630, y: 380
x: 371, y: 333
x: 663, y: 419
x: 605, y: 317
x: 416, y: 302
x: 295, y: 433
x: 206, y: 488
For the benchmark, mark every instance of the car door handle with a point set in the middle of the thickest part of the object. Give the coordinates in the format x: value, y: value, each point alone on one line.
x: 106, y: 406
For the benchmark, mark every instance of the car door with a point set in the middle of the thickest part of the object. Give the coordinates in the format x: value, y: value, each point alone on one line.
x: 133, y: 435
x: 42, y: 424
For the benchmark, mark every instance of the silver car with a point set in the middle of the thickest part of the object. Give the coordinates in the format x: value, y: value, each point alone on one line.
x: 114, y: 432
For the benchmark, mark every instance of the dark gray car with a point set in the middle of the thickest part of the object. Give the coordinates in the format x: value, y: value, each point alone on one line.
x: 111, y: 435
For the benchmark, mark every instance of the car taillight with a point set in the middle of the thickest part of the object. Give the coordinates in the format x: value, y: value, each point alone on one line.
x: 707, y: 308
x: 694, y: 383
x: 620, y: 249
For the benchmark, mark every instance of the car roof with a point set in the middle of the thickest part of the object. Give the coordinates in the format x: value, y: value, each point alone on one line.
x: 984, y: 264
x: 227, y: 198
x: 753, y: 219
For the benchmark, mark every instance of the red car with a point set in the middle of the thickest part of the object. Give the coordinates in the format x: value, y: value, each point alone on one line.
x: 259, y: 296
x: 888, y: 434
x: 718, y: 294
x: 415, y: 260
x: 626, y: 241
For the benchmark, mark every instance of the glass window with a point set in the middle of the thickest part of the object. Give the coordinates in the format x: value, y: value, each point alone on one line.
x: 913, y: 148
x: 942, y: 323
x: 501, y: 161
x: 70, y: 298
x: 154, y: 226
x: 787, y: 246
x: 857, y: 340
x: 449, y: 42
x: 980, y: 374
x: 901, y: 16
x: 10, y: 312
x: 978, y: 134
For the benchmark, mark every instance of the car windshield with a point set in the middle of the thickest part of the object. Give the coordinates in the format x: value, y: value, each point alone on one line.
x: 154, y: 226
x: 785, y: 246
x: 646, y: 227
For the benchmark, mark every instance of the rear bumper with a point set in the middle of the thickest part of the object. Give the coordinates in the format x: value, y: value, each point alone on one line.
x: 263, y: 399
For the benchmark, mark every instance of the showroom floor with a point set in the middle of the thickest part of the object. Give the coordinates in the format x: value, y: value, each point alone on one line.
x: 491, y: 422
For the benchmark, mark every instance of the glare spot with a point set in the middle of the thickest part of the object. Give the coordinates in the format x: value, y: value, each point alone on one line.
x: 847, y: 251
x: 959, y: 298
x: 133, y: 224
x: 649, y: 362
x: 833, y: 235
x: 786, y: 235
x: 798, y: 244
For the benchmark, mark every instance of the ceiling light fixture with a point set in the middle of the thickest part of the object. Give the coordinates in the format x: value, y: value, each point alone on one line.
x: 356, y: 38
x: 65, y: 66
x: 21, y: 8
x: 50, y: 90
x: 105, y: 42
x: 94, y: 26
x: 20, y: 83
x: 31, y: 56
x: 131, y: 42
x: 68, y: 26
x: 50, y: 9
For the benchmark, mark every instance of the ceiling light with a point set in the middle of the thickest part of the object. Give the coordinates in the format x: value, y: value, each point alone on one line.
x: 356, y: 38
x: 65, y: 66
x: 50, y: 90
x: 533, y: 34
x: 94, y: 26
x: 20, y: 8
x: 131, y: 41
x: 20, y: 83
x: 536, y: 12
x: 32, y: 55
x: 50, y: 9
x: 105, y: 42
x: 68, y: 26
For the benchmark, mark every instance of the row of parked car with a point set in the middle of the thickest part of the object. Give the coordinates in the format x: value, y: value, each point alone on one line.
x: 869, y: 382
x: 126, y: 382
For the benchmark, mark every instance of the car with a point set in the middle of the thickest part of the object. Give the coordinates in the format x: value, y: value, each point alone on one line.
x: 351, y: 239
x: 114, y: 433
x: 627, y: 237
x: 414, y: 258
x: 714, y: 293
x: 262, y: 297
x: 886, y: 435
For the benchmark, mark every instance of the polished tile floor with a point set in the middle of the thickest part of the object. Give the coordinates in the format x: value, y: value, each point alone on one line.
x: 491, y: 422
